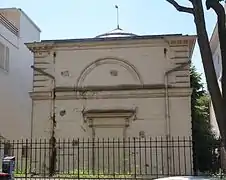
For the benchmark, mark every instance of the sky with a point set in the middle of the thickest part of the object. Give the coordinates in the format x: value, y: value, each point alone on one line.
x: 88, y: 18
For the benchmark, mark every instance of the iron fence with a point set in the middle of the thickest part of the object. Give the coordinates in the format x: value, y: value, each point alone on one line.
x: 101, y: 158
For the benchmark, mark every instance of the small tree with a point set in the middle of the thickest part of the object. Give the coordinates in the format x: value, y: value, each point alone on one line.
x: 203, y: 137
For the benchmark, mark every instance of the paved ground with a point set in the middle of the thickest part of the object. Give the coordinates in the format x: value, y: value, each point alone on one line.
x: 66, y: 178
x: 47, y: 178
x: 36, y: 178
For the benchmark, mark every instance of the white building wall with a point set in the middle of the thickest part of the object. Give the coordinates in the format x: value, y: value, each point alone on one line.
x: 90, y: 65
x: 217, y: 61
x: 15, y: 103
x: 29, y: 32
x: 216, y: 52
x: 150, y: 64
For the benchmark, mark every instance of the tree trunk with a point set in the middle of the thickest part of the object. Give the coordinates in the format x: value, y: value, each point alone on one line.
x: 218, y: 98
x: 208, y: 65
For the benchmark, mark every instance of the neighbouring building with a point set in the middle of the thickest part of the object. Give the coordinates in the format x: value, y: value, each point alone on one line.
x: 115, y: 85
x: 216, y: 52
x: 217, y: 60
x: 16, y: 76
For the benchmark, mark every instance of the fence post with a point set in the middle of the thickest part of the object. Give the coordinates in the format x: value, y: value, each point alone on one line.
x: 93, y: 155
x: 78, y: 159
x: 26, y: 156
x: 135, y: 163
x: 195, y: 168
x: 52, y: 160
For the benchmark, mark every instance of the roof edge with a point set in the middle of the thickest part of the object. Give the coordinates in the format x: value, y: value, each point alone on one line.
x: 63, y: 42
x: 139, y: 37
x: 29, y: 19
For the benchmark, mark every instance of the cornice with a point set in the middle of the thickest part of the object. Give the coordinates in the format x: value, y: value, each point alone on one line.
x: 154, y: 93
x: 123, y: 87
x: 70, y: 45
x: 94, y: 46
x: 41, y: 95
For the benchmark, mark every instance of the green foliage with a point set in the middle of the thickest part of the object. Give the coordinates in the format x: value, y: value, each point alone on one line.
x: 92, y: 175
x: 205, y: 140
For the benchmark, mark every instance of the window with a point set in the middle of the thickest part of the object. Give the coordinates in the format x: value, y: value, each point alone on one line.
x: 218, y: 59
x: 4, y: 57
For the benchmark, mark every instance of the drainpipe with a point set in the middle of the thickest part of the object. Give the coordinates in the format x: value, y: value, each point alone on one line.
x: 32, y: 119
x: 167, y: 113
x: 52, y: 138
x: 167, y: 106
x: 45, y: 74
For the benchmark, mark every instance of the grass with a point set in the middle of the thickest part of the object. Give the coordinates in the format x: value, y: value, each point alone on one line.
x: 96, y: 174
x: 79, y: 174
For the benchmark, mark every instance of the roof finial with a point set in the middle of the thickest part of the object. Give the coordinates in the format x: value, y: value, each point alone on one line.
x: 117, y: 17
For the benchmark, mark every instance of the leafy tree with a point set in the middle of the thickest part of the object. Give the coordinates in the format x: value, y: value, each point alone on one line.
x: 218, y: 98
x: 203, y: 137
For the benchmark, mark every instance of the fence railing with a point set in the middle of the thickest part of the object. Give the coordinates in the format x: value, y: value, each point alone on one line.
x: 101, y: 158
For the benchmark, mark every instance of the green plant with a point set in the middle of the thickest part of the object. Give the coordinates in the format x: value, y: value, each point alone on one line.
x: 81, y: 174
x: 91, y: 174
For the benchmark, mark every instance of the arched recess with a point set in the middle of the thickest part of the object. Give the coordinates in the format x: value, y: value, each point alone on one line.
x: 108, y: 60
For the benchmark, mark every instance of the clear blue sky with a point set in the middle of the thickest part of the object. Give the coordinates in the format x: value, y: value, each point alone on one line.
x: 88, y: 18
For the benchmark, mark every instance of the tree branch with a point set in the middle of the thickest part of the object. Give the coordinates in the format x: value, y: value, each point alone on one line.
x: 207, y: 61
x: 181, y: 8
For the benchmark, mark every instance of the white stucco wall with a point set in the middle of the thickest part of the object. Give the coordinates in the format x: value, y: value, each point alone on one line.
x: 217, y: 61
x: 15, y: 103
x: 216, y: 53
x: 150, y: 117
x: 145, y: 59
x: 149, y: 62
x: 138, y: 63
x: 27, y: 25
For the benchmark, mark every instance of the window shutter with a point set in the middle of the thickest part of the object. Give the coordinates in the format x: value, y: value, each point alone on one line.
x: 7, y: 58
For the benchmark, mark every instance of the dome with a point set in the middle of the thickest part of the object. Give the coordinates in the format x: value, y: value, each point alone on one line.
x: 118, y: 32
